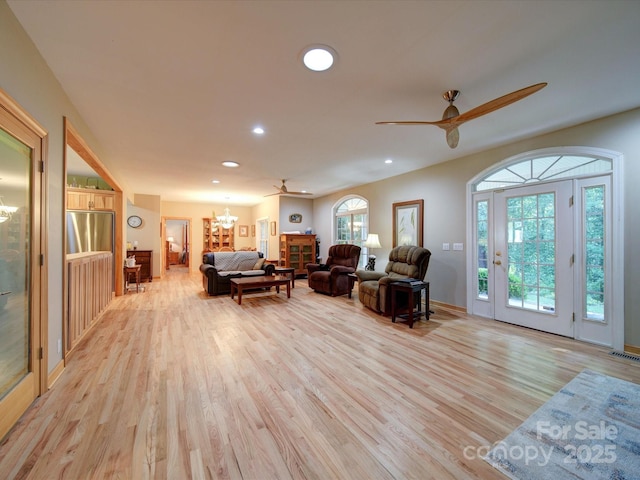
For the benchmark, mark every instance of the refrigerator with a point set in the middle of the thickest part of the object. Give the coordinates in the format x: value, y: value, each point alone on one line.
x: 90, y: 231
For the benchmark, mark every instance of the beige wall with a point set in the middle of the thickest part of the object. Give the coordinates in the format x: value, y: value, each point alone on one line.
x: 301, y: 205
x: 196, y: 212
x: 443, y: 188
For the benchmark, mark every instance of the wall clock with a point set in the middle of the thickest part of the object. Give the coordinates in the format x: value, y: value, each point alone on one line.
x: 134, y: 221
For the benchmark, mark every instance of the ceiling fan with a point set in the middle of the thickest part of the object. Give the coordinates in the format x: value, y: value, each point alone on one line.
x: 452, y: 119
x: 282, y: 190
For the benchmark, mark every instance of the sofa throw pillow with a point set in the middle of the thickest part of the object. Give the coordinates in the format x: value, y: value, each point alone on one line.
x: 259, y: 264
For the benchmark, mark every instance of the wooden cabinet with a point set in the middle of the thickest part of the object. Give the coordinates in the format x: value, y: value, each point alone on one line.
x: 173, y: 258
x: 296, y: 250
x: 215, y: 237
x: 86, y: 199
x: 90, y: 290
x: 145, y: 259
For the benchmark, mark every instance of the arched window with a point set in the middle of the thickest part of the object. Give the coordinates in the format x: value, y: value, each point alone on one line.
x: 543, y: 169
x: 351, y: 223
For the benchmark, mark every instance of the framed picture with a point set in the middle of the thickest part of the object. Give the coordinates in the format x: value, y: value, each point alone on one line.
x: 253, y: 230
x: 243, y: 231
x: 273, y: 229
x: 408, y: 223
x: 295, y: 218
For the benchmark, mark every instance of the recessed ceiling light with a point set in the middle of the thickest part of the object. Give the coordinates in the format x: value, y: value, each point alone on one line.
x: 388, y: 160
x: 215, y: 181
x: 319, y: 58
x: 231, y: 164
x: 258, y: 130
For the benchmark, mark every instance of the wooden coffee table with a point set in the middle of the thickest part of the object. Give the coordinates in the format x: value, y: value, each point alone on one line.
x: 267, y: 281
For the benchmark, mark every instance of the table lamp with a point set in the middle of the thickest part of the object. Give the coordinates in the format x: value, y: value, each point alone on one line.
x: 170, y: 240
x: 372, y: 242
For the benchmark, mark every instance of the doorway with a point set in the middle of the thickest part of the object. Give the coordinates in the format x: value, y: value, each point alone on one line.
x: 177, y: 243
x: 547, y: 238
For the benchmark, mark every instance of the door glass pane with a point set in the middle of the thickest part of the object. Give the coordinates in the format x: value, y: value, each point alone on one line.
x: 482, y: 247
x: 594, y: 244
x: 15, y: 164
x: 531, y: 252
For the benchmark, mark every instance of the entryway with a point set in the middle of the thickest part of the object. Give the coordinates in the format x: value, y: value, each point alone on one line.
x: 545, y: 228
x: 177, y: 243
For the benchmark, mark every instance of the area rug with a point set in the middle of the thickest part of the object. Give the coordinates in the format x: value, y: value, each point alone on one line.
x: 588, y: 430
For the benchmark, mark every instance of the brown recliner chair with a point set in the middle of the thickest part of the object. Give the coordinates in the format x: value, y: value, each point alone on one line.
x: 331, y: 277
x: 404, y: 262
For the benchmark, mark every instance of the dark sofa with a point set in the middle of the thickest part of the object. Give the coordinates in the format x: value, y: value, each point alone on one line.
x: 218, y: 268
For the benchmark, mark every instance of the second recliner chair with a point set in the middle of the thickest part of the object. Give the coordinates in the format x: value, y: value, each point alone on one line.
x: 404, y: 262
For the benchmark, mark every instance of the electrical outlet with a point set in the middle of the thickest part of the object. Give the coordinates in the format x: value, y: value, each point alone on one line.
x: 59, y: 345
x: 458, y: 246
x: 445, y: 246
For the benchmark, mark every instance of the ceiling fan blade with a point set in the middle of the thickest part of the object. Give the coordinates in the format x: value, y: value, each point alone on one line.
x: 498, y: 103
x: 282, y: 190
x: 411, y: 123
x: 453, y: 122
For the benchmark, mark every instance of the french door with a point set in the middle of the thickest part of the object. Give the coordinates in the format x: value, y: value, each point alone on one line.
x: 533, y: 266
x: 22, y: 368
x: 543, y: 258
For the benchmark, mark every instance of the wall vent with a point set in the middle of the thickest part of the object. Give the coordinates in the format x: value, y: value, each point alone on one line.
x: 626, y: 355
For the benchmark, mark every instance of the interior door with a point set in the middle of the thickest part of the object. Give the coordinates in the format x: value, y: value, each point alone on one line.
x: 532, y: 258
x: 20, y: 282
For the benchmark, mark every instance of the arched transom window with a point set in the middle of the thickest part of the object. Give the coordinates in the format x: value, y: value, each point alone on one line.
x: 545, y: 168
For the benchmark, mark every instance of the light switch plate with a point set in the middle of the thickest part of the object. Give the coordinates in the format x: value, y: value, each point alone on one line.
x: 458, y: 246
x: 445, y: 246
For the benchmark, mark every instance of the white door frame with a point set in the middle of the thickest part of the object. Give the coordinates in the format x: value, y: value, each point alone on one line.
x: 616, y: 292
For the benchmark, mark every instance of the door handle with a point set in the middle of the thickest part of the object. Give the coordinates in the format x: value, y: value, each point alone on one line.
x: 497, y: 262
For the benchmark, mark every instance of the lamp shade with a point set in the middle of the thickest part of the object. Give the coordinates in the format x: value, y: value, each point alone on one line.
x: 372, y: 241
x: 170, y: 239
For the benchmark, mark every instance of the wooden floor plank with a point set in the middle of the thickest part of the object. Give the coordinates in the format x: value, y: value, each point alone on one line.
x: 175, y: 384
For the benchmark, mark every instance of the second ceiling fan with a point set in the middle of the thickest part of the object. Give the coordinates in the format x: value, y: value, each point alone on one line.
x: 452, y: 118
x: 282, y: 190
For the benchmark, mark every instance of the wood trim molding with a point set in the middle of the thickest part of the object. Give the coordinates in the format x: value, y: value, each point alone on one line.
x: 11, y: 106
x: 632, y: 349
x: 55, y: 373
x: 449, y: 306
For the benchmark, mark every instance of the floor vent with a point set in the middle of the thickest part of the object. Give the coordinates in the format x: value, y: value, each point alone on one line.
x: 626, y: 355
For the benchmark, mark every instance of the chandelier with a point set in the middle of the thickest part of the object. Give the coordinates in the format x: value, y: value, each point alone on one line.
x: 227, y: 220
x: 6, y: 212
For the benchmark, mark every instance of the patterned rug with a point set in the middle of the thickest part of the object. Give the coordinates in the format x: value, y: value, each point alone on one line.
x: 588, y: 430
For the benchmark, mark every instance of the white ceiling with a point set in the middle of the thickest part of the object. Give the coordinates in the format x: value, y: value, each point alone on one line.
x: 171, y: 89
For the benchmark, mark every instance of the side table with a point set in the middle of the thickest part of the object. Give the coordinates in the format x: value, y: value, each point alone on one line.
x: 353, y: 278
x: 135, y: 271
x: 409, y: 289
x: 286, y: 271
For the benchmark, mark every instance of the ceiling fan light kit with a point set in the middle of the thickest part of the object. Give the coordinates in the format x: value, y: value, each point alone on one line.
x: 452, y: 119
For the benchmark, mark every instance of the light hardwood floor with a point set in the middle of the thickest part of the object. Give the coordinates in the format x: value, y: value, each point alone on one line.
x: 174, y: 384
